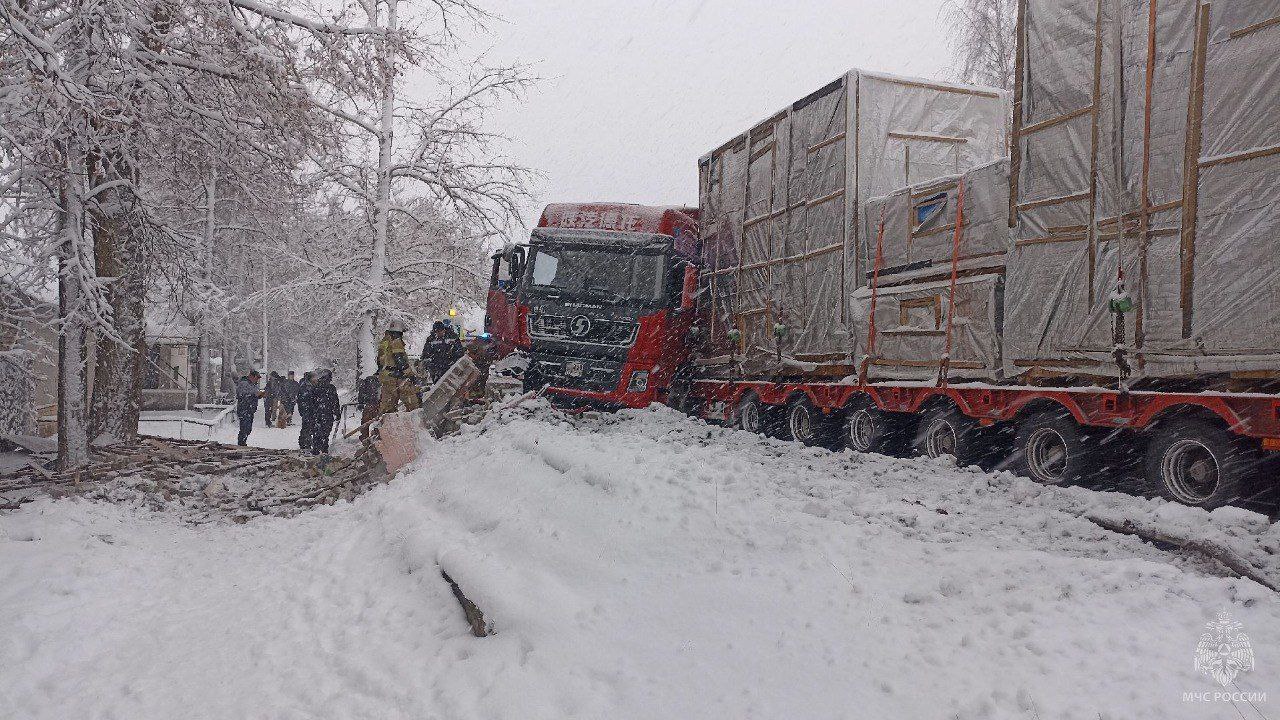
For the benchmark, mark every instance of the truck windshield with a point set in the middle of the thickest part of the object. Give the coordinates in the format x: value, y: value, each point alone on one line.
x: 608, y: 274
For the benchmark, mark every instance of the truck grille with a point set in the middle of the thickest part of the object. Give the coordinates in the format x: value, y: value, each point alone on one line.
x: 596, y: 376
x: 583, y: 329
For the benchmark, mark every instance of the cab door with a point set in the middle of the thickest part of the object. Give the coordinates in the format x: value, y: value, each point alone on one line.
x: 501, y: 318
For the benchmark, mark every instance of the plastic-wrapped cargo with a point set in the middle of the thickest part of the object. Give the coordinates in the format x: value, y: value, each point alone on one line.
x: 922, y: 316
x: 780, y: 206
x: 1145, y: 179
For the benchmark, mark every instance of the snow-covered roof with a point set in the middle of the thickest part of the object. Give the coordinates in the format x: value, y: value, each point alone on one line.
x: 164, y: 325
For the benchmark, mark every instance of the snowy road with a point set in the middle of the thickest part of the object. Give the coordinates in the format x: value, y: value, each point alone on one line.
x: 635, y: 566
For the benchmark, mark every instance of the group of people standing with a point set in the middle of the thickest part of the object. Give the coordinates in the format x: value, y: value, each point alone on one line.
x: 280, y: 397
x: 315, y: 397
x: 398, y: 381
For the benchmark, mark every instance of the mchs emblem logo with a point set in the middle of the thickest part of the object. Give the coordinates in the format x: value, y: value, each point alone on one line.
x: 1224, y: 650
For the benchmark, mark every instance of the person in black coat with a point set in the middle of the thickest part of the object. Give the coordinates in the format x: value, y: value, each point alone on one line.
x: 247, y: 395
x: 288, y: 390
x: 323, y: 399
x: 306, y: 411
x: 271, y: 399
x: 441, y: 350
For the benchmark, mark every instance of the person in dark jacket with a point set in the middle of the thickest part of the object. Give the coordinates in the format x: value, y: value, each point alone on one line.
x: 323, y: 399
x: 247, y: 395
x: 441, y: 350
x: 306, y: 410
x: 368, y: 397
x: 288, y: 390
x: 271, y: 398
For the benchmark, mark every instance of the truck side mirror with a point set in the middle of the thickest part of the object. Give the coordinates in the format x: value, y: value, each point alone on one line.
x: 515, y: 265
x: 689, y: 292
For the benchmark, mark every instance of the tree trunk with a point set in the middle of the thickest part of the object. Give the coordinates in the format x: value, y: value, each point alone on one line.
x: 117, y: 383
x: 382, y: 210
x: 73, y: 261
x: 205, y: 385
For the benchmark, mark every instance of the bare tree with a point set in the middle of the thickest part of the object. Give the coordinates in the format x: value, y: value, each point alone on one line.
x: 983, y: 40
x: 396, y: 146
x: 238, y: 159
x: 90, y: 90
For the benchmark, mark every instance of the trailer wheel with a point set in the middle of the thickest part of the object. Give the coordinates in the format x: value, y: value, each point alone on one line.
x: 947, y: 431
x: 1052, y: 449
x: 1201, y: 464
x: 749, y: 415
x: 756, y: 417
x: 872, y: 430
x: 807, y: 424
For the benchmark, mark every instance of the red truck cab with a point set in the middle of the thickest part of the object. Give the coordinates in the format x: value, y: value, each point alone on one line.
x: 601, y: 300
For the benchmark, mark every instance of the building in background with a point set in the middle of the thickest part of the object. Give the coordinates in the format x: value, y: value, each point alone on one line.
x: 172, y: 363
x: 28, y: 364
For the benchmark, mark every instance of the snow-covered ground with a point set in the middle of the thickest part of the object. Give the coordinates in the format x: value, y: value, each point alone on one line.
x: 641, y: 565
x: 167, y: 424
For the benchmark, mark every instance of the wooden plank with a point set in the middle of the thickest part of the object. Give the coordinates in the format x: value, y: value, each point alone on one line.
x: 1240, y: 156
x: 1042, y: 363
x: 1019, y: 90
x: 931, y: 190
x: 825, y: 198
x: 1076, y: 197
x: 1191, y: 172
x: 1237, y: 34
x: 1144, y: 199
x: 793, y: 258
x: 925, y: 137
x: 1056, y: 121
x: 935, y: 86
x: 825, y: 143
x: 761, y: 218
x: 763, y: 150
x: 1095, y: 135
x: 880, y: 362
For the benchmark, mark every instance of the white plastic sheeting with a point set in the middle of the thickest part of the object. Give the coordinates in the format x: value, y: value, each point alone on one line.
x: 1121, y: 164
x: 910, y: 286
x: 784, y: 247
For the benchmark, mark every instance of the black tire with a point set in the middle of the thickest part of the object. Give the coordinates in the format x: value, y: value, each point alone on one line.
x: 749, y: 415
x: 1052, y: 449
x: 868, y: 429
x: 1200, y: 463
x: 806, y: 424
x: 945, y: 430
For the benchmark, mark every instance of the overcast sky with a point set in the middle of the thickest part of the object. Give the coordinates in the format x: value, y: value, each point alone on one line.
x: 635, y: 91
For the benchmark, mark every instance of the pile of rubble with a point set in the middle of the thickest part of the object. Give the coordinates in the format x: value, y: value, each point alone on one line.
x: 200, y: 481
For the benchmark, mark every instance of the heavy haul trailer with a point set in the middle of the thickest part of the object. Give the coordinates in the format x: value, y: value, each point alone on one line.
x: 1141, y: 274
x: 600, y: 301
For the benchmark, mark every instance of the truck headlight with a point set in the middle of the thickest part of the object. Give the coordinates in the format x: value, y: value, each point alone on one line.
x: 639, y: 381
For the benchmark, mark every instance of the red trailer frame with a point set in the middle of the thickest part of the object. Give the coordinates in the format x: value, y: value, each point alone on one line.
x: 1251, y: 415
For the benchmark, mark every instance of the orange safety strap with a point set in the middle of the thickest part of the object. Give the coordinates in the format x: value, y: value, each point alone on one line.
x: 875, y: 288
x: 945, y: 365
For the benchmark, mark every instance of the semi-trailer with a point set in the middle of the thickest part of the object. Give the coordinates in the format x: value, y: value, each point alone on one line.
x: 1111, y: 290
x: 871, y: 274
